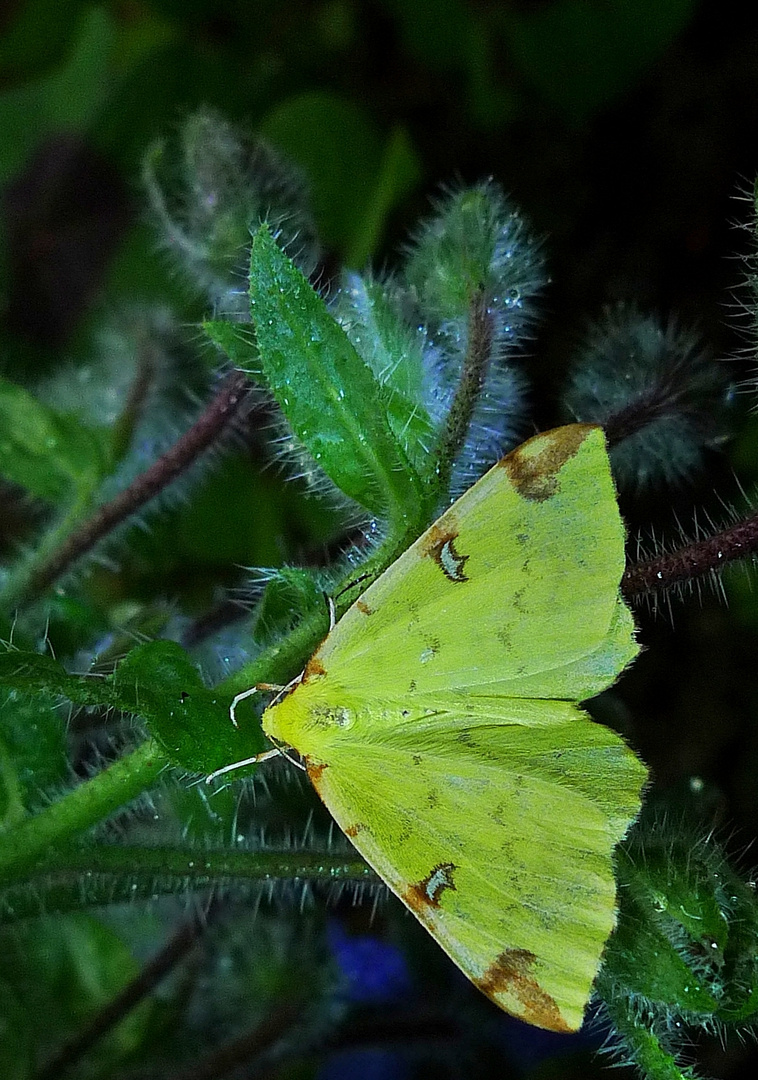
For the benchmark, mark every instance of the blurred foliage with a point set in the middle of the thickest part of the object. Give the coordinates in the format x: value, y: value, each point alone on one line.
x: 622, y: 130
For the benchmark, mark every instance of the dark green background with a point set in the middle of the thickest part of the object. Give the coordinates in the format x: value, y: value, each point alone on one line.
x: 625, y: 130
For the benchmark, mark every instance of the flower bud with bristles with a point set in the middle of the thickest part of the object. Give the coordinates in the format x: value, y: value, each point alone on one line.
x: 472, y: 277
x: 659, y: 396
x: 208, y: 191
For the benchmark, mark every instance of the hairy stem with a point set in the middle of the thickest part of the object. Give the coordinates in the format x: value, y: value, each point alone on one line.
x: 695, y: 560
x: 90, y: 802
x: 468, y: 391
x: 83, y: 537
x: 102, y: 874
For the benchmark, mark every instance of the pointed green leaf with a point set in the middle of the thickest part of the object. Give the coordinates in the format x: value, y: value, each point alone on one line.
x: 52, y: 455
x: 33, y: 754
x: 330, y: 397
x: 394, y: 351
x: 31, y: 673
x: 159, y: 682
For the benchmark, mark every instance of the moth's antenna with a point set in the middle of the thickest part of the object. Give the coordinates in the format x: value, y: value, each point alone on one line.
x: 249, y: 693
x: 280, y: 692
x: 353, y: 583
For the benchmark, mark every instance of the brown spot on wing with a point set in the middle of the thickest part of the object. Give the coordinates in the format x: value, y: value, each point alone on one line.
x: 438, y: 543
x: 353, y: 830
x: 425, y: 894
x: 512, y: 973
x: 313, y: 669
x: 363, y: 607
x: 533, y: 467
x: 314, y: 770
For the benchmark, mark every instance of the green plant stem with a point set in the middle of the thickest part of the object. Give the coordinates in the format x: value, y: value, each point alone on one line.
x: 89, y: 803
x: 205, y: 867
x: 78, y: 877
x: 77, y: 534
x: 637, y: 1042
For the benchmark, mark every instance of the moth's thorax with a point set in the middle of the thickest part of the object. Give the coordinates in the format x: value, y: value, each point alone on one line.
x: 310, y: 717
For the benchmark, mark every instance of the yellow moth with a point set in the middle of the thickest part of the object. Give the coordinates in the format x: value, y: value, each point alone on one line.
x: 439, y: 722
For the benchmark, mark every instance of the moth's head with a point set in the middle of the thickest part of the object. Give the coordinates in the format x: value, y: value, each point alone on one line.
x: 309, y: 717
